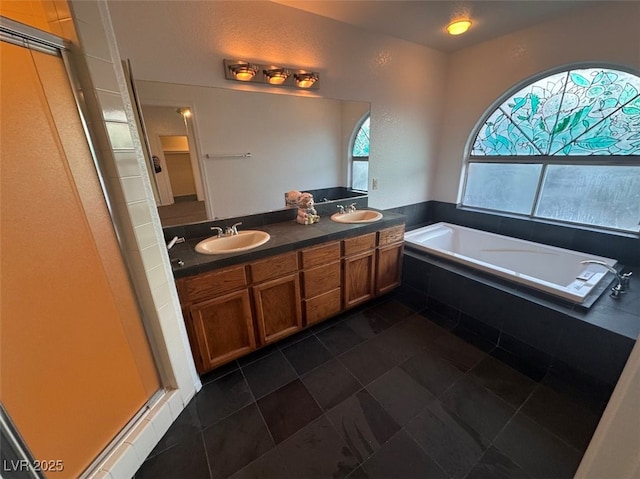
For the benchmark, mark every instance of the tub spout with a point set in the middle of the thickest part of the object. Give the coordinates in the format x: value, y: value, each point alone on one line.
x: 623, y: 280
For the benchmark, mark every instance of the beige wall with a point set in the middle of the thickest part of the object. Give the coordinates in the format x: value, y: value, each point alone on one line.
x: 354, y: 65
x: 477, y: 76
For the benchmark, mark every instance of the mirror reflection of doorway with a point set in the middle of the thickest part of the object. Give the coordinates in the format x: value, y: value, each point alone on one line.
x: 170, y: 136
x: 186, y: 207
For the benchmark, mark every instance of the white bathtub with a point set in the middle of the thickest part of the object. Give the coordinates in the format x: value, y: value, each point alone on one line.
x: 554, y: 270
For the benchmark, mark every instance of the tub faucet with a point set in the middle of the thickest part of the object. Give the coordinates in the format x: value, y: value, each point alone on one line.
x: 623, y: 279
x: 175, y: 240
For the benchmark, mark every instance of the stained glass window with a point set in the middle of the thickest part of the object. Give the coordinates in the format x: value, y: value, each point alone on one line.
x: 590, y: 111
x: 565, y: 148
x: 360, y: 158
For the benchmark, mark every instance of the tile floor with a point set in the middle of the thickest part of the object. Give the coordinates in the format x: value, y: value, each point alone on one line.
x: 379, y: 392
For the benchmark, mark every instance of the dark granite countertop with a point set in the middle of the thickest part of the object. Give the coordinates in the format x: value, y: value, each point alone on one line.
x: 285, y: 236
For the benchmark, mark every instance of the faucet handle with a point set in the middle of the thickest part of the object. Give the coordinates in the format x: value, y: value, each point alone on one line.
x: 217, y: 229
x: 233, y: 229
x: 340, y: 209
x: 351, y: 208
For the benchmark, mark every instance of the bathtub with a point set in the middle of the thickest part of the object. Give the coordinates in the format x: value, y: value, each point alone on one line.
x: 556, y: 271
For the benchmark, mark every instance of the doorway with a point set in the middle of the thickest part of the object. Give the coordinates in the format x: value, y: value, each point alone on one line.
x: 171, y: 139
x: 186, y: 207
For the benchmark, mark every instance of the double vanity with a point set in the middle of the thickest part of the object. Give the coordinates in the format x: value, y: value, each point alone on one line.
x: 270, y: 281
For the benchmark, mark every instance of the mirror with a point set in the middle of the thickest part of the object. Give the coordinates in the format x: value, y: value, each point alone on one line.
x: 245, y: 148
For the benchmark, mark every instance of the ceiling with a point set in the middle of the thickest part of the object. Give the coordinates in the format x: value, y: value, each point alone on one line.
x: 424, y: 21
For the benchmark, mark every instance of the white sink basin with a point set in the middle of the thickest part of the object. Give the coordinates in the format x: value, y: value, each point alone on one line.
x: 243, y: 241
x: 358, y: 216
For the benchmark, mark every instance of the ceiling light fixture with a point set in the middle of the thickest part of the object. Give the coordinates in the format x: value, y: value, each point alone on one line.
x: 458, y: 27
x: 242, y: 70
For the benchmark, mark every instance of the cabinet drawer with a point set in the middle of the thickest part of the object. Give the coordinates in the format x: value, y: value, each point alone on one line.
x: 359, y: 244
x: 322, y: 307
x: 274, y: 267
x: 320, y: 255
x: 207, y: 285
x: 321, y: 279
x: 391, y: 235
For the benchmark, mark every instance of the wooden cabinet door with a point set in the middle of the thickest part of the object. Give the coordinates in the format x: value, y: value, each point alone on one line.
x: 223, y: 329
x: 278, y: 311
x: 359, y: 273
x: 389, y: 268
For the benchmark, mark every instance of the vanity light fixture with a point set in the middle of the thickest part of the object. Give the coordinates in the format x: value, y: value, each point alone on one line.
x: 243, y: 71
x: 276, y: 75
x: 305, y: 79
x: 458, y: 27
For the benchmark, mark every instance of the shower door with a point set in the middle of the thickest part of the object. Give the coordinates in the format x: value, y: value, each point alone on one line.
x: 75, y: 363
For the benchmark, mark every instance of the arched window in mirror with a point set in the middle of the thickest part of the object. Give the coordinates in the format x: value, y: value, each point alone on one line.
x: 360, y: 157
x: 565, y: 147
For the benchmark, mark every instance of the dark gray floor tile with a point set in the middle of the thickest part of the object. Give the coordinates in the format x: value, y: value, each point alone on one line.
x: 257, y: 355
x: 236, y: 441
x: 328, y: 323
x: 401, y: 396
x: 399, y: 343
x: 306, y: 355
x: 485, y: 412
x: 529, y: 362
x: 187, y: 424
x: 366, y: 324
x: 504, y: 381
x: 363, y: 424
x: 188, y: 458
x: 495, y: 465
x: 367, y: 361
x: 422, y: 328
x: 317, y: 451
x: 268, y: 374
x: 267, y: 466
x: 457, y: 351
x: 222, y: 397
x: 402, y: 458
x: 294, y: 338
x: 288, y: 410
x: 339, y: 338
x: 447, y: 439
x: 391, y: 311
x: 536, y: 450
x: 431, y: 371
x: 580, y: 387
x: 331, y: 384
x: 571, y: 421
x: 219, y: 372
x: 358, y: 473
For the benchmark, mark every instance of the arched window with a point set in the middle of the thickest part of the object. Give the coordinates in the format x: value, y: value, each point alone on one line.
x: 360, y: 157
x: 565, y: 147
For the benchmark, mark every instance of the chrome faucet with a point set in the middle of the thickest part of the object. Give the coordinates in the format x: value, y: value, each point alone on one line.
x: 340, y: 209
x: 351, y: 208
x: 218, y: 230
x: 232, y: 230
x: 175, y: 240
x: 623, y: 279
